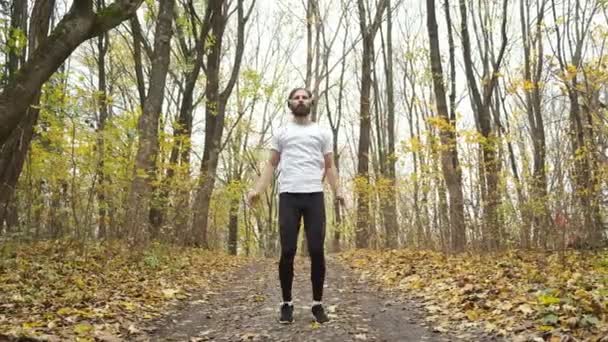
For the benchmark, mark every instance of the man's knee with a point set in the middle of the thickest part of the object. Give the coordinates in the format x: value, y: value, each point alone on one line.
x: 288, y: 254
x: 316, y: 253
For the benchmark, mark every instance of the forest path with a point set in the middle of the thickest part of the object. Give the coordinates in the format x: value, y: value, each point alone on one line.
x: 247, y: 310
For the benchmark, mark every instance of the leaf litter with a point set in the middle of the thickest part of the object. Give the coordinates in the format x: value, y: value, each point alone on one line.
x: 518, y: 295
x: 56, y: 291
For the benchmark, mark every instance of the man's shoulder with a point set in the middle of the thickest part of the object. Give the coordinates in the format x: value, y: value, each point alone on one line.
x: 280, y: 129
x: 324, y: 129
x: 289, y: 128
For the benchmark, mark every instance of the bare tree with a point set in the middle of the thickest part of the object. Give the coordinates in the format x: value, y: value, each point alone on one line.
x: 335, y: 123
x: 368, y: 32
x: 181, y: 149
x: 215, y: 108
x: 572, y: 38
x: 449, y: 150
x: 388, y: 162
x: 136, y: 222
x: 482, y: 102
x: 533, y: 73
x: 102, y: 104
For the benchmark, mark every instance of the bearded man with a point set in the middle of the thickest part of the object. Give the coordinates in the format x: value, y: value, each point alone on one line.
x: 303, y: 153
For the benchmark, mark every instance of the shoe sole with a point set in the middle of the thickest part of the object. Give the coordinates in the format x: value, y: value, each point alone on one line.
x: 317, y: 321
x: 285, y: 322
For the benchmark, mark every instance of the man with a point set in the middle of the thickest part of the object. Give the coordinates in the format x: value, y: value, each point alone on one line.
x: 304, y: 152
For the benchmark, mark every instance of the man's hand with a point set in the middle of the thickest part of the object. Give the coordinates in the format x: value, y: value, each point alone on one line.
x: 339, y: 197
x: 252, y: 197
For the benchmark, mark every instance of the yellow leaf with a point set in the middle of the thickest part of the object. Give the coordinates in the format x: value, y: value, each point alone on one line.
x: 548, y: 299
x: 79, y: 282
x: 17, y: 298
x: 529, y: 85
x: 83, y: 328
x: 472, y: 315
x: 259, y: 298
x: 64, y: 311
x: 170, y: 293
x: 490, y: 327
x: 32, y: 325
x: 129, y: 306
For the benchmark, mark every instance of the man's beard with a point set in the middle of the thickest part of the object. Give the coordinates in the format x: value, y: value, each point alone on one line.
x: 301, y: 110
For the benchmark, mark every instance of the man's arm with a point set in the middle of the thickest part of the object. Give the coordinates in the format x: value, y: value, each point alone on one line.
x: 332, y: 177
x: 265, y: 177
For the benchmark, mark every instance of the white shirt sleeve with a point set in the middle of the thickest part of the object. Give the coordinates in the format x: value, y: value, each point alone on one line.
x: 275, y: 141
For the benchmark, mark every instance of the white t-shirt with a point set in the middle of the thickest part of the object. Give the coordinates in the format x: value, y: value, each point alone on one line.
x: 302, y: 164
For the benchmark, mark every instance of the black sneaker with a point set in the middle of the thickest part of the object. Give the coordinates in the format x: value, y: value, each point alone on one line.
x: 319, y: 313
x: 286, y: 314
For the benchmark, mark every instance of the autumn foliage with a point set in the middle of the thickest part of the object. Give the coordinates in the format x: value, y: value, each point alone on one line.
x: 517, y: 294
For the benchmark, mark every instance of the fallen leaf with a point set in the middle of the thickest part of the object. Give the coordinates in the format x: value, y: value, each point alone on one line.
x: 169, y: 293
x: 83, y: 328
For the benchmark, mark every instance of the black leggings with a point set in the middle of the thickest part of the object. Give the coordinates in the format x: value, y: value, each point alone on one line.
x: 292, y: 207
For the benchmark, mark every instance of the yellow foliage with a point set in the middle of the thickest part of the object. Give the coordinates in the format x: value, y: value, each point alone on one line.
x: 441, y: 124
x: 49, y: 288
x: 503, y: 291
x: 529, y: 85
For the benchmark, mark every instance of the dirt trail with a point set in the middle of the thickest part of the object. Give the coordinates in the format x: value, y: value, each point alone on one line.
x: 247, y: 310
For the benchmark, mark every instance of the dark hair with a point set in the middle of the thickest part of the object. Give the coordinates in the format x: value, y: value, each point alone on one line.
x: 291, y: 93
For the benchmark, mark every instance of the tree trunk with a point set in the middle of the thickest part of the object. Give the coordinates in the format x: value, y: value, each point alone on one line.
x: 17, y: 54
x: 481, y: 105
x: 317, y: 72
x: 310, y: 17
x: 214, y: 121
x: 137, y: 59
x: 136, y: 220
x: 363, y: 194
x: 102, y: 104
x: 233, y: 227
x: 336, y: 204
x: 215, y: 110
x: 180, y: 151
x: 537, y: 208
x: 362, y: 229
x: 454, y: 184
x: 584, y: 181
x: 335, y: 128
x: 14, y: 150
x: 390, y: 205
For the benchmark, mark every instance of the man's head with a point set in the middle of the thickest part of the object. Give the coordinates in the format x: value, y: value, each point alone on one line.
x: 300, y: 101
